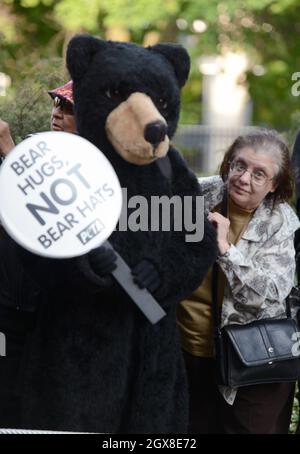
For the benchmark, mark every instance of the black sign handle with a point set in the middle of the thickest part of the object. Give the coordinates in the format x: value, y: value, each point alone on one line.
x: 141, y: 297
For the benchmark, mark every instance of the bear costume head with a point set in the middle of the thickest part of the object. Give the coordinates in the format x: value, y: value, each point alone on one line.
x: 135, y: 94
x: 127, y: 103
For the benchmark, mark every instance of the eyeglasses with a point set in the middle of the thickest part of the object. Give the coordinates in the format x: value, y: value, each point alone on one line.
x: 258, y: 177
x: 65, y: 105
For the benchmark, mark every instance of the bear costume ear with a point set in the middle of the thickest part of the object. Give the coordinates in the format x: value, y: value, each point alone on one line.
x: 178, y: 57
x: 80, y: 52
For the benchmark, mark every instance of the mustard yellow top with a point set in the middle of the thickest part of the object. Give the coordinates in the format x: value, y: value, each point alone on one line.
x: 194, y: 313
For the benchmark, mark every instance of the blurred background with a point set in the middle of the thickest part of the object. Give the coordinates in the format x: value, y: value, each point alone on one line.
x: 245, y: 62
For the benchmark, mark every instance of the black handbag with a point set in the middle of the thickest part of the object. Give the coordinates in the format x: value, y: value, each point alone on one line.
x: 258, y: 352
x: 262, y: 351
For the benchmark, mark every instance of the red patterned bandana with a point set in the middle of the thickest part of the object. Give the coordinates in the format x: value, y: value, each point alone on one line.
x: 65, y: 91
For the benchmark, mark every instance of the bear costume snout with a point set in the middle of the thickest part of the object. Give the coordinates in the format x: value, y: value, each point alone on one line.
x: 137, y: 130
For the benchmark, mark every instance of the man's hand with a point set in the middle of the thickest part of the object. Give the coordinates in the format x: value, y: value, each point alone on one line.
x: 102, y: 260
x: 6, y: 141
x: 222, y: 225
x: 145, y: 275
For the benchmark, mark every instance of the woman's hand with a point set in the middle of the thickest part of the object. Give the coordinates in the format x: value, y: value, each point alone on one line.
x: 222, y: 225
x: 6, y: 141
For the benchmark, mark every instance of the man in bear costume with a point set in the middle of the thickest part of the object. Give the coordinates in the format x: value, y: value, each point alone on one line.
x: 96, y: 363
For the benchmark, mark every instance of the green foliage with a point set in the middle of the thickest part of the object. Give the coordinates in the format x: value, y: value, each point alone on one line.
x: 83, y: 16
x: 139, y: 14
x: 267, y: 30
x: 295, y: 414
x: 27, y: 107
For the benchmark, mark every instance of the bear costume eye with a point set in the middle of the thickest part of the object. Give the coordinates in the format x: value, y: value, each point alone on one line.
x: 115, y: 94
x: 163, y: 103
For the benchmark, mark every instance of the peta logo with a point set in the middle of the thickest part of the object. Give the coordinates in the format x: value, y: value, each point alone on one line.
x: 2, y: 344
x: 92, y: 230
x: 296, y: 346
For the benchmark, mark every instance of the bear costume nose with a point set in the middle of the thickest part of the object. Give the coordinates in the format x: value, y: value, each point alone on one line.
x: 155, y: 132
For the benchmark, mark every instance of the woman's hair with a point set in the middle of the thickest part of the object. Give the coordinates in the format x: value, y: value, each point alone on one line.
x: 270, y: 142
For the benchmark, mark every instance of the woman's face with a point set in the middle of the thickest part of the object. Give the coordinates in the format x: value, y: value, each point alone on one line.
x: 62, y: 119
x: 251, y: 177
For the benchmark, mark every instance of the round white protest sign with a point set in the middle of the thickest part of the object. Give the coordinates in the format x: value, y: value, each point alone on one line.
x: 59, y: 195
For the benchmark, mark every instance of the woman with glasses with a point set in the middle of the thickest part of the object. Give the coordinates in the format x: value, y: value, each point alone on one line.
x: 62, y: 116
x: 256, y: 259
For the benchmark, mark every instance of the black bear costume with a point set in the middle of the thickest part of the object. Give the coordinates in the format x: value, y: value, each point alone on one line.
x: 95, y: 363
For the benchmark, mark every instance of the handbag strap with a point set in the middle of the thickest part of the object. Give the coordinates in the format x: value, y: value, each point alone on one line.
x: 215, y: 278
x: 288, y: 307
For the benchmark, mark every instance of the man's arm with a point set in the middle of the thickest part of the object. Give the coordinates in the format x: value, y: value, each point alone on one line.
x: 6, y: 141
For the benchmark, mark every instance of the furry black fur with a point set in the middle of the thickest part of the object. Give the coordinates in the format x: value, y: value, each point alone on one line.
x: 97, y: 364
